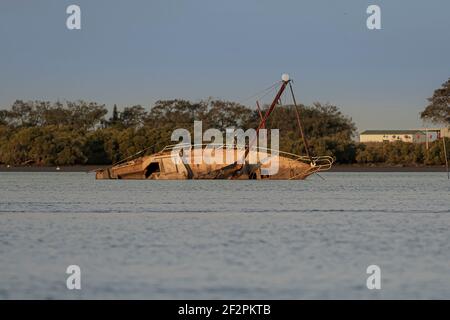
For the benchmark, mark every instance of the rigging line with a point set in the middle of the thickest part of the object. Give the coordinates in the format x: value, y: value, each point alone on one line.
x: 320, y: 176
x: 123, y: 160
x: 135, y: 154
x: 271, y: 92
x: 299, y: 122
x: 267, y: 114
x: 260, y: 113
x: 257, y: 95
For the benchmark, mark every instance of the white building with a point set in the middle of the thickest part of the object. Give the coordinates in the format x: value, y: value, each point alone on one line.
x: 415, y: 136
x: 445, y: 132
x: 432, y: 134
x: 437, y: 133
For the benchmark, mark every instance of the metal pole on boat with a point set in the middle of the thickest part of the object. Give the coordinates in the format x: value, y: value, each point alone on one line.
x: 445, y: 155
x: 262, y: 123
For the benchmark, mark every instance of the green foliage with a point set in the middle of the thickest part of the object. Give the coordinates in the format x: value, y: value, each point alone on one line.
x: 45, y: 133
x: 80, y: 115
x: 132, y: 117
x: 95, y: 148
x: 438, y: 110
x: 401, y: 153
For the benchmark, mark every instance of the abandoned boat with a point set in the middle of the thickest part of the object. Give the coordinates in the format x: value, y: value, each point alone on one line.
x: 181, y: 161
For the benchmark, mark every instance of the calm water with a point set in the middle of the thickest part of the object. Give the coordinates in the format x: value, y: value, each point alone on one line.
x: 225, y: 239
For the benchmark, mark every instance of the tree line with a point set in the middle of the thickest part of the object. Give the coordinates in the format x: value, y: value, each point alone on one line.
x: 79, y: 132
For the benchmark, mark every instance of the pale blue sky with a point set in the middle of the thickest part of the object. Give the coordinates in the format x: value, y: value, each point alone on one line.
x: 136, y: 52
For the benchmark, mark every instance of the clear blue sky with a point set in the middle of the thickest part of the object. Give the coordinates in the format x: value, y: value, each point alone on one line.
x: 136, y: 52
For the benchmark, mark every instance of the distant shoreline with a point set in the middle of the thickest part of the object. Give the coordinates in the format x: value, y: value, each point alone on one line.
x: 335, y: 168
x: 76, y: 168
x: 356, y: 168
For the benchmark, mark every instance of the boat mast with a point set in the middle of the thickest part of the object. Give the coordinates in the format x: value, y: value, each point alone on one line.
x: 262, y: 123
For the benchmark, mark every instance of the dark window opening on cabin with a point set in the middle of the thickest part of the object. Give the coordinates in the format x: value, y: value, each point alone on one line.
x: 152, y: 168
x: 253, y: 176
